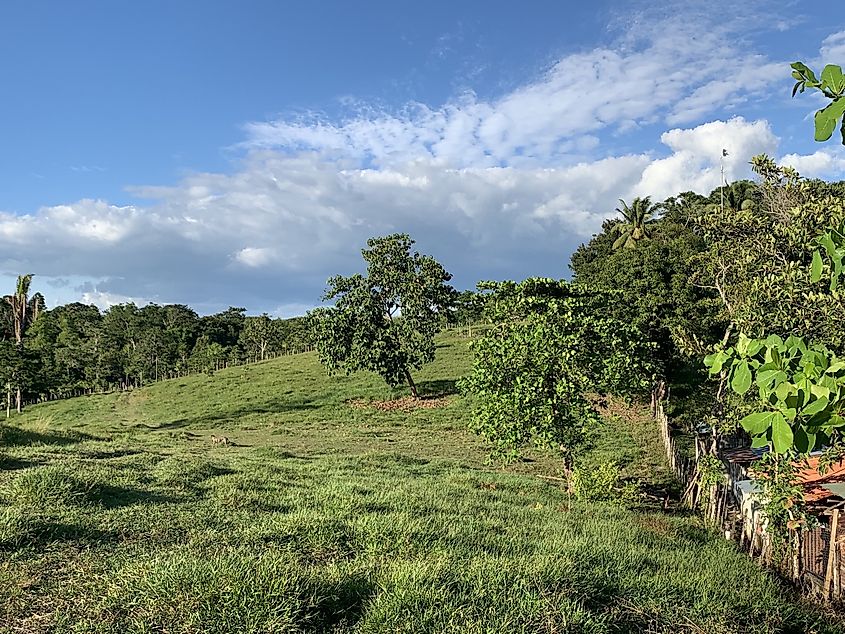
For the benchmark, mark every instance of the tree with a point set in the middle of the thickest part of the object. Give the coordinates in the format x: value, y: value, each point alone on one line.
x: 657, y: 293
x: 384, y: 322
x: 257, y: 336
x: 832, y: 86
x: 23, y: 310
x: 552, y: 343
x: 635, y: 219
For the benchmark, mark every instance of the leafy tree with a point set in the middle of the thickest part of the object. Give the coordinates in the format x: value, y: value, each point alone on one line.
x: 258, y: 336
x: 22, y: 311
x: 551, y: 345
x: 384, y: 321
x: 635, y: 221
x: 656, y: 292
x: 832, y: 86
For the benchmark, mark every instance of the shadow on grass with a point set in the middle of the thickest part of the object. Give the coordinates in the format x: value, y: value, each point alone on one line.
x: 39, y: 533
x: 7, y: 463
x: 343, y: 602
x: 16, y: 436
x: 105, y: 455
x: 443, y: 387
x: 110, y: 496
x: 278, y: 406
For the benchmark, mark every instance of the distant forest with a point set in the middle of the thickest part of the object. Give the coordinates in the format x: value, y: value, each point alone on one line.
x: 77, y: 349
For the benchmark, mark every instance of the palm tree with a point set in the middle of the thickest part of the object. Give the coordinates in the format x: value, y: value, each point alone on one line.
x: 22, y: 311
x: 739, y: 196
x: 635, y: 219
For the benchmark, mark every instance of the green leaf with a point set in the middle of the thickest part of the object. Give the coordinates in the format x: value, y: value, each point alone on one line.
x: 757, y: 423
x: 765, y: 378
x: 833, y: 79
x: 742, y: 343
x: 759, y: 441
x: 741, y: 380
x: 819, y: 405
x: 836, y: 367
x: 804, y: 440
x: 827, y: 117
x: 781, y: 433
x: 783, y: 390
x: 816, y: 267
x: 805, y: 73
x: 754, y: 346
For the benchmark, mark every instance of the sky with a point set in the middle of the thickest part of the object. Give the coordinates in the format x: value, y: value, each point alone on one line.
x: 218, y: 153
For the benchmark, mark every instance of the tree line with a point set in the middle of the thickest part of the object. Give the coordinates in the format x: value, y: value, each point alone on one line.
x: 77, y: 348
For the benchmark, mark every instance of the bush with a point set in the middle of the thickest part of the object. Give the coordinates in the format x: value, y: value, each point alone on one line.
x: 601, y: 483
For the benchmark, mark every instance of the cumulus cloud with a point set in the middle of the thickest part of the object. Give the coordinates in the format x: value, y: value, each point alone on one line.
x: 819, y: 164
x: 697, y: 159
x: 494, y: 188
x: 672, y: 70
x: 280, y: 225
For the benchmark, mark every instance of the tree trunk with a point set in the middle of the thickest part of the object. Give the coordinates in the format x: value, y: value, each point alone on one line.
x: 411, y: 383
x: 18, y: 401
x: 8, y: 400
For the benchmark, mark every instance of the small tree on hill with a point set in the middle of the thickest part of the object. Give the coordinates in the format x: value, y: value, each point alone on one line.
x: 552, y: 344
x: 384, y: 322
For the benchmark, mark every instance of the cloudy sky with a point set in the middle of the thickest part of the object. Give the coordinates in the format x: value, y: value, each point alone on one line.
x: 222, y: 153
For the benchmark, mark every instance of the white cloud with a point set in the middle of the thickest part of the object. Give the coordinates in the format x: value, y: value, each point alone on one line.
x: 279, y: 226
x: 672, y: 70
x: 696, y: 160
x: 821, y: 163
x: 494, y: 188
x: 833, y: 49
x: 105, y: 300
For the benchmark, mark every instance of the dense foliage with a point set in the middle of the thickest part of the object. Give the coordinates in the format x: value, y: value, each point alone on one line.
x: 384, y: 321
x: 800, y: 391
x: 552, y: 344
x: 657, y: 292
x: 77, y: 348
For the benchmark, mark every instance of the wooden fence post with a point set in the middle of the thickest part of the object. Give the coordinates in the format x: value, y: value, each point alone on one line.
x: 831, y: 553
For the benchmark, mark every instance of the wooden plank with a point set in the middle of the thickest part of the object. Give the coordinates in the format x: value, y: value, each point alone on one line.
x: 831, y: 553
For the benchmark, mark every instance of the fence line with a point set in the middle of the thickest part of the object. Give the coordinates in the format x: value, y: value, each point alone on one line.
x: 817, y: 565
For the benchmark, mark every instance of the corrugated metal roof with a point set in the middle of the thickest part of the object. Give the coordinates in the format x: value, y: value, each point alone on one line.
x: 837, y: 488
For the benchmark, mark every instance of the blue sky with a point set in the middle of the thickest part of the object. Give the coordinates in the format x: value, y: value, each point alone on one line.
x: 218, y: 153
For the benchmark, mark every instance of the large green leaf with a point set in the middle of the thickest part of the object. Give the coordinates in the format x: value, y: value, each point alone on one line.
x: 804, y: 440
x: 832, y: 79
x: 741, y: 380
x: 827, y: 117
x: 819, y: 405
x: 757, y: 423
x: 766, y: 377
x: 816, y: 267
x: 781, y: 433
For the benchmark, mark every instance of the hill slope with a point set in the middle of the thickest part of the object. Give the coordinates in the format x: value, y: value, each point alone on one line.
x: 118, y: 514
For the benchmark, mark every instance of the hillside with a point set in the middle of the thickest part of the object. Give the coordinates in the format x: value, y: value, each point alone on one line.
x: 119, y: 514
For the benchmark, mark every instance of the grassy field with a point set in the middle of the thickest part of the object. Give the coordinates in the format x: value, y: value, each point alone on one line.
x: 118, y: 514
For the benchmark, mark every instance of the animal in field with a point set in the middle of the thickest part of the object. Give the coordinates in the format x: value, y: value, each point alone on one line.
x: 220, y: 440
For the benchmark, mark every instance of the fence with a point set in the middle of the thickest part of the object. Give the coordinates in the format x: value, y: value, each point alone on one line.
x: 817, y: 564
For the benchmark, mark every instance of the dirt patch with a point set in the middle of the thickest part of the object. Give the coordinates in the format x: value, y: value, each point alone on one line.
x: 404, y: 404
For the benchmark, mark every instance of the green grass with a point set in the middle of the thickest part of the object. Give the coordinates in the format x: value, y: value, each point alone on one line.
x: 118, y: 515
